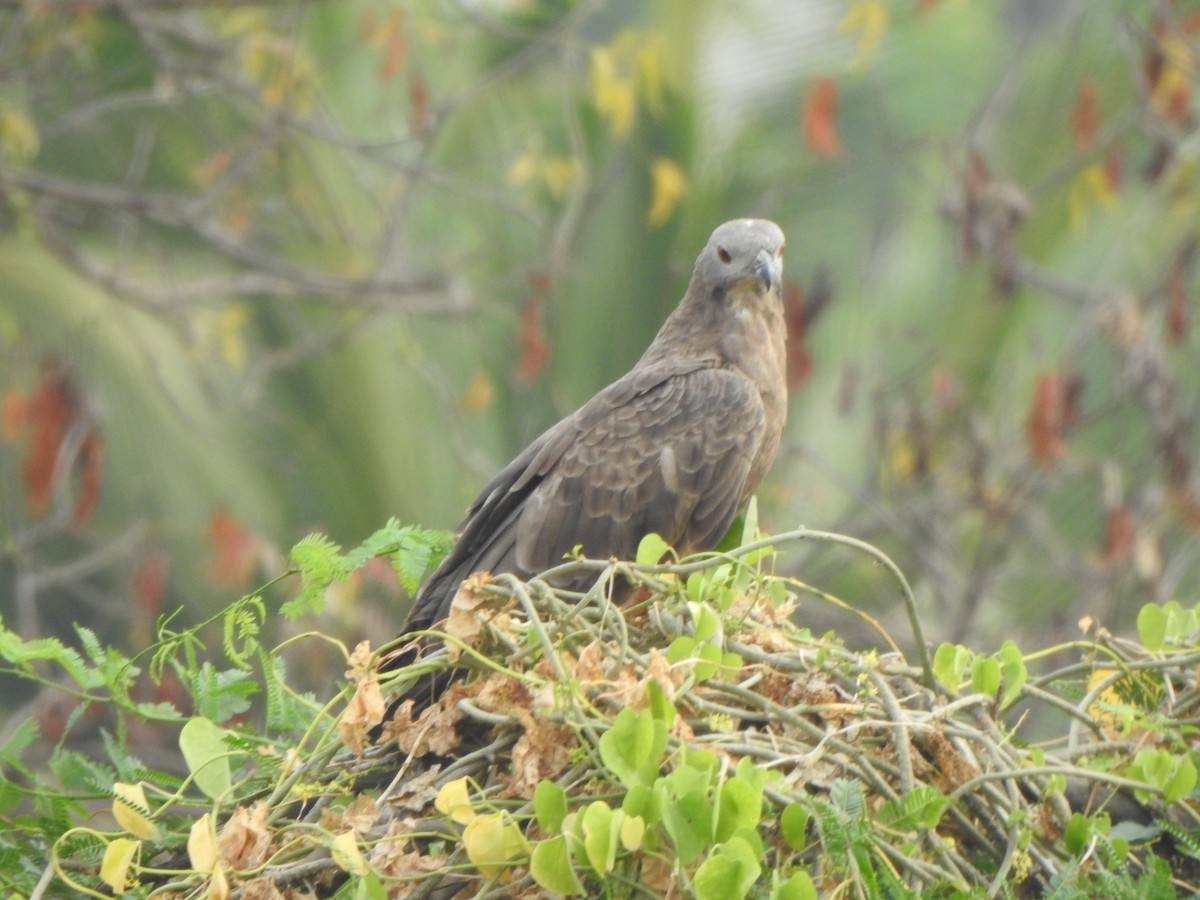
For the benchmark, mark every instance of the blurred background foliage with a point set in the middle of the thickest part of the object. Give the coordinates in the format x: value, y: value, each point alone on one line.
x: 271, y: 267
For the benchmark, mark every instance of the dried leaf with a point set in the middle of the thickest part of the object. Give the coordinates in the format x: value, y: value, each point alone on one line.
x: 245, y: 841
x: 819, y: 117
x: 364, y: 711
x: 202, y: 845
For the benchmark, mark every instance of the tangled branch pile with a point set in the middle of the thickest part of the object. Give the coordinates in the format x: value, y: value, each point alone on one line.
x: 692, y: 741
x: 696, y: 743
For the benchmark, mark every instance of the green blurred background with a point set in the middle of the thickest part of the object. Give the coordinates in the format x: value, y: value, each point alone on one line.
x: 268, y: 268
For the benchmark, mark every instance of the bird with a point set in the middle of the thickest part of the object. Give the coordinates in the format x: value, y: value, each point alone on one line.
x: 676, y: 446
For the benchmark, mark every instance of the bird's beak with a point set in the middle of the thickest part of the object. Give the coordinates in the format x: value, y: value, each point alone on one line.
x: 766, y: 269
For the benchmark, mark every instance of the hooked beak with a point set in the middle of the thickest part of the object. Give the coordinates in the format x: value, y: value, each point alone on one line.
x: 766, y: 269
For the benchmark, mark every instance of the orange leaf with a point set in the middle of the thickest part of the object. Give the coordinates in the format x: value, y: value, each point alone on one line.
x: 535, y: 345
x: 1047, y: 418
x: 819, y: 117
x: 235, y: 551
x: 1085, y: 118
x: 51, y: 409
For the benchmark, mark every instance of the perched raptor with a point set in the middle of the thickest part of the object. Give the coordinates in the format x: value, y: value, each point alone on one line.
x: 676, y: 446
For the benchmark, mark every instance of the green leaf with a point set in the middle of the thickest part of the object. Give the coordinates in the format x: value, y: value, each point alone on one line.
x: 739, y: 806
x: 551, y: 867
x: 949, y: 664
x: 1013, y: 673
x: 798, y: 887
x: 707, y: 623
x: 550, y: 806
x: 207, y: 756
x: 642, y: 802
x: 793, y: 822
x: 601, y: 834
x: 1077, y: 834
x: 688, y: 820
x: 985, y: 675
x: 651, y: 549
x: 631, y: 748
x: 728, y: 874
x: 1181, y: 780
x: 922, y: 807
x: 1152, y: 626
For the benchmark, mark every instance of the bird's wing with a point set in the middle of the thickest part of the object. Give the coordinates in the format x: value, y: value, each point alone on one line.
x: 666, y: 449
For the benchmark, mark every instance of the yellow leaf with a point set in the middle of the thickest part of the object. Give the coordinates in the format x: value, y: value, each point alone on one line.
x: 19, y: 135
x: 632, y: 831
x: 1091, y: 184
x: 668, y: 184
x: 614, y: 95
x: 902, y: 455
x: 346, y: 854
x: 868, y: 19
x: 454, y: 801
x: 130, y: 810
x: 218, y: 885
x: 118, y: 857
x: 492, y: 841
x: 231, y: 325
x: 648, y: 61
x: 480, y: 393
x: 202, y: 845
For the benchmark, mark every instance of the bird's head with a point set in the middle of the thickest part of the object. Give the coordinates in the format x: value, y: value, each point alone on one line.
x: 742, y: 254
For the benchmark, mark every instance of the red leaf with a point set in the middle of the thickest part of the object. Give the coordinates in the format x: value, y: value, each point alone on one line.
x: 535, y: 345
x: 235, y: 551
x: 925, y: 6
x: 1085, y: 118
x: 1045, y: 423
x: 819, y: 117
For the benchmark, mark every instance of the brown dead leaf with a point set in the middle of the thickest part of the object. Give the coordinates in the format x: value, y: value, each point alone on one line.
x: 505, y: 695
x: 245, y: 841
x: 542, y: 751
x: 263, y: 889
x: 465, y: 621
x: 364, y: 711
x: 395, y: 857
x: 1177, y: 304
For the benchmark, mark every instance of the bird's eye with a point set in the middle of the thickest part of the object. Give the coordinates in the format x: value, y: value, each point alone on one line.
x: 723, y: 254
x: 779, y: 252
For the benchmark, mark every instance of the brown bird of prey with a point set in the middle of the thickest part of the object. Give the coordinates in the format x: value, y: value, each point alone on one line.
x: 676, y: 446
